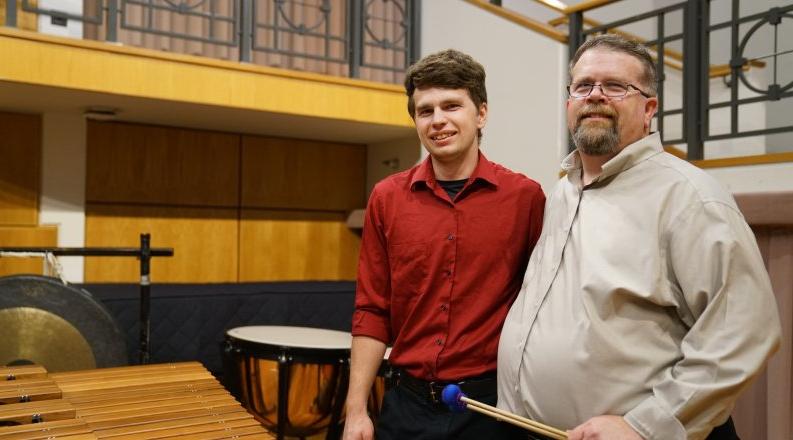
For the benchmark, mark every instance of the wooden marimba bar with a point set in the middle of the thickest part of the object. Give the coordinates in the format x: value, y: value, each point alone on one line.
x: 181, y: 400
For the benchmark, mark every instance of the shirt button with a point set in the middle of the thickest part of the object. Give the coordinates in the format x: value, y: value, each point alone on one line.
x: 450, y: 237
x: 439, y: 342
x: 444, y: 307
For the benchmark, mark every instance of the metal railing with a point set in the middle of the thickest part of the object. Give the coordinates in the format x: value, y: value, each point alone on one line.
x: 357, y: 37
x: 696, y: 104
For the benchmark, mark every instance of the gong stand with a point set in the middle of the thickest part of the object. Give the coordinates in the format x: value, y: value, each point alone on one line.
x: 144, y: 254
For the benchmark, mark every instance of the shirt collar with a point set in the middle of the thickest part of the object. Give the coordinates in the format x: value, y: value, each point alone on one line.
x: 631, y: 155
x: 484, y: 171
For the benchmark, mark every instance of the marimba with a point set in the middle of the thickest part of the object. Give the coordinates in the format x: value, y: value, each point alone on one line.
x: 180, y: 400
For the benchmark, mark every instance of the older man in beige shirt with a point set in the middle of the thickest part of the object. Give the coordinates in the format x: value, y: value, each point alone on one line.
x: 646, y: 308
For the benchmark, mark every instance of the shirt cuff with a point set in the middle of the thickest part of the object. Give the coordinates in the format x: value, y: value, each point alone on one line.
x: 370, y: 324
x: 653, y: 421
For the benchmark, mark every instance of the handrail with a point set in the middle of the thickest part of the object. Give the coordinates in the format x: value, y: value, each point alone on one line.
x: 674, y: 151
x: 716, y: 71
x: 721, y: 162
x: 556, y: 5
x: 759, y: 159
x: 536, y: 26
x: 587, y: 5
x: 559, y: 6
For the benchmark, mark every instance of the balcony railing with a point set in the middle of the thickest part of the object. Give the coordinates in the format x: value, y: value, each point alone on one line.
x: 704, y: 111
x: 367, y: 39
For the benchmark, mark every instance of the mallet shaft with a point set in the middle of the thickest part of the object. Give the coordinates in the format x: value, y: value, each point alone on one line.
x: 514, y: 419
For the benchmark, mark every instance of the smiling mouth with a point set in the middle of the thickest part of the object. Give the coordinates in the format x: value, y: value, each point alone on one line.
x: 441, y: 136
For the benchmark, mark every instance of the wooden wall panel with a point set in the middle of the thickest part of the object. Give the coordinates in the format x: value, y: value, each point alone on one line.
x: 205, y: 243
x: 130, y: 163
x: 289, y: 245
x: 299, y: 174
x: 25, y: 236
x: 20, y: 168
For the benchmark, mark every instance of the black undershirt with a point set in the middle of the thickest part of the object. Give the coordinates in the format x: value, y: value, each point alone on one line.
x: 452, y: 187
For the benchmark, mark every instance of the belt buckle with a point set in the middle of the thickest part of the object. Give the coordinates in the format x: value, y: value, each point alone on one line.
x: 436, y: 391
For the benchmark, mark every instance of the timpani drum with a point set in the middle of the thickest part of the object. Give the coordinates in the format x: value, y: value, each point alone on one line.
x: 293, y: 379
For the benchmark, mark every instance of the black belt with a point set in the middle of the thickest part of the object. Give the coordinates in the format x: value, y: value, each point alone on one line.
x: 432, y: 390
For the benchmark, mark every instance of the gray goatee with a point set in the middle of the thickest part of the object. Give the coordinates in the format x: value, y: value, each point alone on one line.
x: 596, y: 139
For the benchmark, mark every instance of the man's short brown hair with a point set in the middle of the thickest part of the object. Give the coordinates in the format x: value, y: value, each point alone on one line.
x: 447, y: 69
x: 617, y: 43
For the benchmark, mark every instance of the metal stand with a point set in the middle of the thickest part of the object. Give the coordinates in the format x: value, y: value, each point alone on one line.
x: 144, y: 254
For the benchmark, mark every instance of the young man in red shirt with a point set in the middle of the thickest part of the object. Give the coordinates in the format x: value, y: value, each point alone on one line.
x: 444, y: 248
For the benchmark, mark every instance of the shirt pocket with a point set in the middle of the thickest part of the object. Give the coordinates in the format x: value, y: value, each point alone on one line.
x: 408, y: 268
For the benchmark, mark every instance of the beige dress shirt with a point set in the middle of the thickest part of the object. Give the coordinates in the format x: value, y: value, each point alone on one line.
x: 646, y: 296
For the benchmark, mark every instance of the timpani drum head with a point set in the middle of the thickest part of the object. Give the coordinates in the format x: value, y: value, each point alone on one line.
x: 61, y: 327
x: 293, y: 337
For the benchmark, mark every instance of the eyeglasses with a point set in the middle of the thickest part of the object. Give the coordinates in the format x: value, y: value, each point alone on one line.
x: 610, y: 89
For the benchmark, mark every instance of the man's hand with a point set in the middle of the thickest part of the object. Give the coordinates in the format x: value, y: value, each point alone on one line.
x: 604, y: 428
x: 358, y: 427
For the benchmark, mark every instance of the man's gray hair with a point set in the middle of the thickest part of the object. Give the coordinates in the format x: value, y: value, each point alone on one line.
x: 621, y: 44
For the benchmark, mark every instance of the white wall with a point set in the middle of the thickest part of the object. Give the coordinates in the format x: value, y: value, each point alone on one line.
x: 72, y: 28
x: 62, y: 201
x: 386, y: 158
x: 525, y: 84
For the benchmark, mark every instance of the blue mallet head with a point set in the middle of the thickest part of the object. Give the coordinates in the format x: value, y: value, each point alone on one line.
x: 452, y: 396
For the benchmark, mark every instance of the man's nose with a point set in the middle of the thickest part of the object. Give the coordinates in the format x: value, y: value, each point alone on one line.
x: 596, y: 95
x: 438, y: 117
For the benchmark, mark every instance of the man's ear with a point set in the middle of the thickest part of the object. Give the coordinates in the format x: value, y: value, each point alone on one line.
x: 482, y: 117
x: 650, y: 108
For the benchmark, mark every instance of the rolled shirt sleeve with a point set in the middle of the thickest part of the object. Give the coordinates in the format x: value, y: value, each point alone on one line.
x: 729, y: 305
x: 371, y: 317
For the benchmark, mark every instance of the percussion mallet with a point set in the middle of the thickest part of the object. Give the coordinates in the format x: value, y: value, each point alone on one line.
x: 454, y: 398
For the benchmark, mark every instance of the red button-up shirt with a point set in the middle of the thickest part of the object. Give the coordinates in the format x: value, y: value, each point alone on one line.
x: 436, y: 277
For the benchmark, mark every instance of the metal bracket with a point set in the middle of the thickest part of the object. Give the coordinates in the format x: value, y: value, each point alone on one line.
x: 774, y: 16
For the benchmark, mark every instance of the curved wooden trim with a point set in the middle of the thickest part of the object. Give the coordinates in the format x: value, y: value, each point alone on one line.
x: 520, y: 20
x: 759, y: 159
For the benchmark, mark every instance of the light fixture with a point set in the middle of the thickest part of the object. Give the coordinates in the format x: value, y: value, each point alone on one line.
x: 99, y: 113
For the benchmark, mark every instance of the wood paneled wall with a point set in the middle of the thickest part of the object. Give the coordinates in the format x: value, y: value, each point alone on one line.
x: 233, y: 207
x: 164, y: 166
x: 204, y: 242
x: 296, y: 174
x: 20, y: 174
x: 296, y: 245
x: 20, y: 168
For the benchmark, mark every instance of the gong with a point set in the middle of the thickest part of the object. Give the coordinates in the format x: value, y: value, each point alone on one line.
x: 60, y: 327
